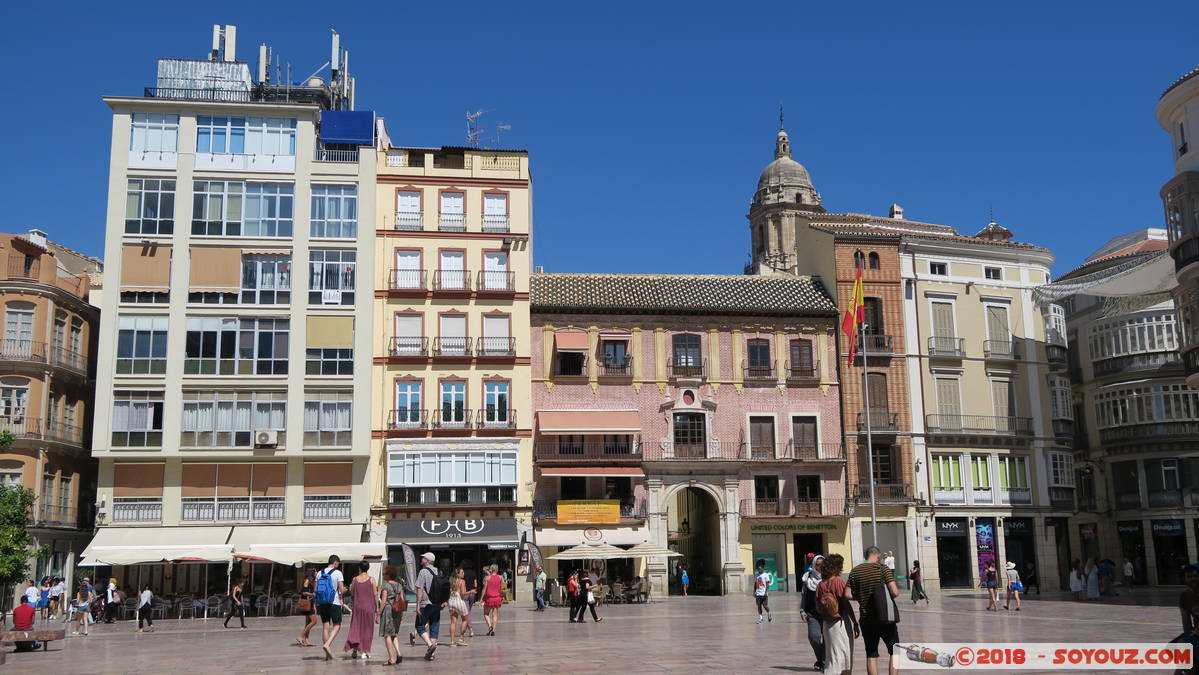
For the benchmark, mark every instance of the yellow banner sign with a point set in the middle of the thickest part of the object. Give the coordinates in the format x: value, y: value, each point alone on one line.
x: 588, y: 511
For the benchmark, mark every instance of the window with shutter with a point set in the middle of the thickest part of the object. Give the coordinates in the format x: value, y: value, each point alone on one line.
x: 802, y: 363
x: 949, y: 402
x: 761, y: 436
x: 876, y: 386
x: 997, y: 325
x: 874, y: 316
x: 943, y: 319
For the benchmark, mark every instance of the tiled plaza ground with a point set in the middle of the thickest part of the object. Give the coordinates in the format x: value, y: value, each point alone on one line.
x: 694, y: 634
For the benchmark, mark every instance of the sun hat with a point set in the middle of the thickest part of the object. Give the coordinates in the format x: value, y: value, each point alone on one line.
x: 428, y: 555
x: 1011, y: 565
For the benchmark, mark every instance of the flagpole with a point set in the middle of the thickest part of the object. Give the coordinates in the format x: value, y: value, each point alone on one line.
x: 869, y: 436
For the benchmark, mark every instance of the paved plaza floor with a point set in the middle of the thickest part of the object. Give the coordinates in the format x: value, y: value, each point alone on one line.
x: 711, y: 634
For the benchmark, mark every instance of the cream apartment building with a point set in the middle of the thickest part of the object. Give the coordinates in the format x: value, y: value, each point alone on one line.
x: 231, y: 421
x: 452, y: 413
x: 991, y: 408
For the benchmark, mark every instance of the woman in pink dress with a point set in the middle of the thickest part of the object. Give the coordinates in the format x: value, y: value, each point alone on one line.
x: 493, y: 599
x: 362, y: 620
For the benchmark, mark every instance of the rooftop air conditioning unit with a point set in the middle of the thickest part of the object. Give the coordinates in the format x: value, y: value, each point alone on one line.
x: 266, y: 438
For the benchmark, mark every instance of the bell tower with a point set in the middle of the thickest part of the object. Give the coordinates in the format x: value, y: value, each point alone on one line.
x: 784, y: 200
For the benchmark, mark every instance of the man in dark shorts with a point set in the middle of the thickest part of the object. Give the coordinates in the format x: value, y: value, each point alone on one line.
x: 863, y: 581
x: 330, y: 612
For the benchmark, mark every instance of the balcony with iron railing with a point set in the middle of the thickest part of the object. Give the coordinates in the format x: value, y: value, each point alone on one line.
x: 709, y: 450
x: 22, y: 350
x: 232, y: 509
x: 569, y: 448
x: 451, y: 222
x: 768, y: 452
x: 886, y: 492
x: 1063, y: 428
x: 1061, y: 497
x: 952, y: 347
x: 495, y: 222
x: 816, y: 452
x: 326, y: 507
x: 66, y: 358
x: 407, y: 419
x: 496, y: 281
x: 615, y: 367
x: 452, y: 418
x: 1057, y: 356
x: 1135, y: 363
x: 406, y: 280
x: 687, y: 369
x: 345, y: 156
x: 67, y: 434
x: 629, y: 509
x: 451, y: 281
x: 1153, y: 431
x: 880, y: 420
x: 984, y: 425
x: 409, y: 221
x: 495, y: 347
x: 405, y: 346
x: 200, y: 94
x: 57, y: 515
x: 786, y: 507
x: 22, y: 427
x: 803, y: 371
x: 496, y: 418
x: 758, y: 371
x: 877, y: 344
x: 137, y: 509
x: 1001, y: 350
x: 451, y: 347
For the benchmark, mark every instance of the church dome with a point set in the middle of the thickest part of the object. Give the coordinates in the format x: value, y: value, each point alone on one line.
x: 786, y: 181
x: 784, y: 171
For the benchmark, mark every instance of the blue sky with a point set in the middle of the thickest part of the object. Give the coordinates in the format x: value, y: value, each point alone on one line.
x: 649, y: 123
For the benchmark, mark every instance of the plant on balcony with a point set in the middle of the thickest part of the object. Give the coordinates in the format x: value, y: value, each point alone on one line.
x: 16, y: 514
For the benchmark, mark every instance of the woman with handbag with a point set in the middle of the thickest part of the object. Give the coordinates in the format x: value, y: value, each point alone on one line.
x: 237, y: 604
x: 305, y: 608
x: 590, y: 584
x: 392, y: 605
x: 839, y: 622
x: 1014, y: 585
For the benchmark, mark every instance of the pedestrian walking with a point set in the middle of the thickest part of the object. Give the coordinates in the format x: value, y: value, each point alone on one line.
x: 879, y: 619
x: 684, y: 578
x: 391, y: 614
x: 1014, y: 586
x: 839, y: 624
x: 145, y: 603
x: 429, y: 602
x: 112, y: 601
x: 457, y: 607
x: 470, y: 596
x: 762, y: 582
x: 1129, y: 574
x: 991, y: 583
x: 57, y: 591
x: 916, y: 576
x: 493, y: 598
x: 889, y: 561
x: 809, y: 612
x: 539, y: 589
x: 1030, y: 578
x: 589, y: 584
x: 573, y: 594
x: 1078, y: 582
x: 43, y: 600
x: 84, y: 596
x: 306, y: 607
x: 1188, y: 606
x: 362, y: 617
x: 330, y: 586
x: 1092, y: 577
x: 237, y: 604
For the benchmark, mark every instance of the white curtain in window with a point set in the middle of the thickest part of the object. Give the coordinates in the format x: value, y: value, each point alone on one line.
x: 495, y: 205
x: 408, y: 202
x: 452, y: 202
x: 312, y: 412
x: 241, y: 418
x: 120, y: 415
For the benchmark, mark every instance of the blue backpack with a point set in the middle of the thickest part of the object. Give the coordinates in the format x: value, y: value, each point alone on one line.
x: 325, y: 593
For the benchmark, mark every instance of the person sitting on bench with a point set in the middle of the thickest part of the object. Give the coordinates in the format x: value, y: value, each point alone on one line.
x: 22, y: 619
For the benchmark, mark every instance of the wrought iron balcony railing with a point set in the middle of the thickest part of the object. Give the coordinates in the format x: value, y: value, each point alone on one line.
x: 496, y: 281
x: 495, y: 346
x: 406, y: 280
x: 989, y: 425
x: 946, y: 346
x: 407, y: 419
x: 570, y: 448
x: 687, y: 368
x: 880, y: 420
x: 1001, y: 349
x: 451, y: 280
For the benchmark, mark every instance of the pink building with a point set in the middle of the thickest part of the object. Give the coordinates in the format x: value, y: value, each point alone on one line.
x: 694, y: 412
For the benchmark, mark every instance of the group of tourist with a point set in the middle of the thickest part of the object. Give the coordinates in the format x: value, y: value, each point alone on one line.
x: 1097, y: 578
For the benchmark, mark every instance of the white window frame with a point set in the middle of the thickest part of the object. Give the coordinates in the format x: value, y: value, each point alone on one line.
x: 493, y: 412
x: 266, y: 275
x: 408, y: 392
x: 452, y: 468
x: 938, y: 274
x: 154, y: 132
x: 456, y: 391
x: 145, y: 334
x: 987, y: 269
x: 334, y: 212
x: 333, y: 274
x: 133, y: 412
x: 228, y: 414
x: 268, y: 210
x: 1061, y: 469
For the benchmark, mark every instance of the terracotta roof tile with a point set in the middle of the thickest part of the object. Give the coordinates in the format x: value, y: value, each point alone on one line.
x: 680, y: 294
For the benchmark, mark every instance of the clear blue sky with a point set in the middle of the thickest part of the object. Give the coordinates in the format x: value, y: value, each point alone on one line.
x: 649, y: 123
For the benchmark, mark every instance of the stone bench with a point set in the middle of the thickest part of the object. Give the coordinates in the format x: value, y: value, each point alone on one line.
x: 42, y: 636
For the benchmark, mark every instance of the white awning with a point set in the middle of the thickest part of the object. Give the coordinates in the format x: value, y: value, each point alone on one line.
x: 1139, y: 277
x: 133, y: 545
x: 299, y: 544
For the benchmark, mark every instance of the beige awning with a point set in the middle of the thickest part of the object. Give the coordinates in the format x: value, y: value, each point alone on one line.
x: 591, y: 552
x: 331, y: 332
x: 215, y: 269
x: 145, y: 267
x: 571, y: 341
x: 588, y: 422
x: 299, y: 544
x: 133, y: 545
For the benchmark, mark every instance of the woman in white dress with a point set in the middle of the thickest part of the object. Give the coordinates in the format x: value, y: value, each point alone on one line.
x: 838, y: 638
x: 457, y: 607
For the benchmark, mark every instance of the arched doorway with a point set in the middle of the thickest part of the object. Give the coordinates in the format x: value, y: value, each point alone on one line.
x: 693, y: 529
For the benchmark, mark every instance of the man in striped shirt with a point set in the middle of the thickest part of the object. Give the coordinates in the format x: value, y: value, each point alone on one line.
x: 863, y: 581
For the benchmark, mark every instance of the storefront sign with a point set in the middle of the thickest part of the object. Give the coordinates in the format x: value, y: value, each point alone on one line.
x: 589, y: 512
x: 464, y: 531
x: 1167, y: 528
x: 1017, y: 526
x: 951, y: 527
x: 790, y: 527
x: 1129, y: 527
x: 573, y: 536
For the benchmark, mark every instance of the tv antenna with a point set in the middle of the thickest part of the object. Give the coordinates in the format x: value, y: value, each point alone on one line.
x: 474, y: 129
x: 500, y: 127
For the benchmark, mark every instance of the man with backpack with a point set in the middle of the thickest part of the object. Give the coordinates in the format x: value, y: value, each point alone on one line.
x: 330, y: 586
x: 432, y: 593
x: 873, y: 586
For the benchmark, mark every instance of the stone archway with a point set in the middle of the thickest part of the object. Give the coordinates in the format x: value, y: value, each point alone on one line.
x: 693, y: 523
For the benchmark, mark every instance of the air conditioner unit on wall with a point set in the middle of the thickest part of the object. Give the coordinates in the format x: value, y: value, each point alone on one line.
x: 266, y: 438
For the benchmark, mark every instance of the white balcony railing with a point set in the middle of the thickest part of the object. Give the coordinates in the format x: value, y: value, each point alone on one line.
x: 137, y: 509
x: 232, y: 509
x: 326, y: 507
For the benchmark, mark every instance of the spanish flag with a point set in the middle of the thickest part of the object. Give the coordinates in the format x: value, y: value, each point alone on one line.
x: 855, y: 313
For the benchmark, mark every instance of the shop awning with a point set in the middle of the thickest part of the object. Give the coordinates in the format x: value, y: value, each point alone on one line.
x: 299, y: 544
x: 588, y: 422
x: 648, y: 550
x: 571, y: 341
x: 133, y: 545
x: 591, y: 552
x: 596, y: 471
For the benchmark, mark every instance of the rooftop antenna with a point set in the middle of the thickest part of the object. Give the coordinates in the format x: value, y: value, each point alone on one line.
x: 499, y: 128
x: 474, y: 130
